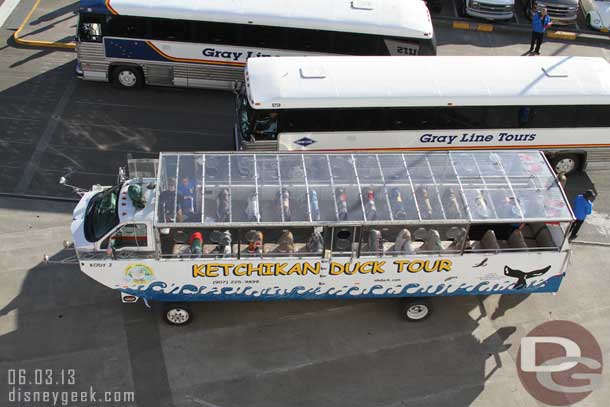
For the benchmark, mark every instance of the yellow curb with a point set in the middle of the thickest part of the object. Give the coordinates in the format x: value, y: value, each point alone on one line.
x: 461, y: 25
x: 36, y: 43
x: 485, y: 27
x: 562, y: 35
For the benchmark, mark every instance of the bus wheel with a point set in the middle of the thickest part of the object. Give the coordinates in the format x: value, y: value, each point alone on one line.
x: 415, y: 309
x: 566, y: 163
x: 128, y: 77
x: 177, y: 314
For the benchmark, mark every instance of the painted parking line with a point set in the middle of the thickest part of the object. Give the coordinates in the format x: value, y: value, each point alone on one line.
x: 38, y: 43
x: 562, y: 35
x: 461, y: 25
x: 6, y: 9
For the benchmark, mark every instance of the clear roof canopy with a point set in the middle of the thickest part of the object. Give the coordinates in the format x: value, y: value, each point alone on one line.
x: 483, y: 186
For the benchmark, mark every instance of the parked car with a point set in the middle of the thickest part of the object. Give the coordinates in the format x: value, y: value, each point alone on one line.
x: 562, y: 12
x: 489, y: 9
x: 597, y: 13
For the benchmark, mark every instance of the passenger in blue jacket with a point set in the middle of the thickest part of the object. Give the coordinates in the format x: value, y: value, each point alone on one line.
x: 583, y: 205
x: 540, y: 22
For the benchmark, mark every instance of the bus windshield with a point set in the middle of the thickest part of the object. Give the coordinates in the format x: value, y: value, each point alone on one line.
x: 102, y: 214
x: 257, y: 125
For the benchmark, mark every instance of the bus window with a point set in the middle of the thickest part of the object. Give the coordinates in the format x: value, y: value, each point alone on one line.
x: 308, y: 40
x: 90, y: 32
x: 170, y: 30
x: 128, y: 236
x: 131, y: 27
x: 262, y: 36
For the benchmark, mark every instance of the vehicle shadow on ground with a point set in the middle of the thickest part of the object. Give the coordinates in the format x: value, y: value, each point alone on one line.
x: 54, y: 124
x: 294, y: 353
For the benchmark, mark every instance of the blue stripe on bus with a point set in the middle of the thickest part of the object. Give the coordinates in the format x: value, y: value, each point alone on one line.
x: 130, y: 49
x: 189, y: 293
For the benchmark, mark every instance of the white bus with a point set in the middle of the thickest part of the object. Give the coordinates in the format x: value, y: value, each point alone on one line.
x: 200, y: 43
x: 558, y: 104
x: 266, y: 226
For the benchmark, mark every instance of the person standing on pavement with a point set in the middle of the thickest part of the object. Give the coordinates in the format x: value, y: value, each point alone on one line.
x: 583, y: 205
x: 540, y: 22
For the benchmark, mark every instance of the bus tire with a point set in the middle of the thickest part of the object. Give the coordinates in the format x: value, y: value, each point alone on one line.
x: 177, y: 314
x: 415, y: 309
x: 127, y: 77
x: 566, y: 163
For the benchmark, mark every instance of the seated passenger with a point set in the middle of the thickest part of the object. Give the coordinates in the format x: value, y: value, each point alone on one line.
x: 432, y: 243
x: 404, y: 243
x: 315, y: 244
x: 255, y: 241
x: 187, y: 190
x: 224, y: 245
x: 459, y: 239
x: 223, y: 206
x: 489, y: 241
x: 168, y: 210
x: 285, y: 244
x: 375, y: 242
x: 516, y: 240
x: 451, y: 204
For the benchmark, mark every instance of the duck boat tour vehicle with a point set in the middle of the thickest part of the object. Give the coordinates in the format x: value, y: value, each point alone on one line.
x: 271, y: 226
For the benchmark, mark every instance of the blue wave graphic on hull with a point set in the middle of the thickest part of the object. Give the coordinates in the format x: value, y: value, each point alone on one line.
x: 159, y: 291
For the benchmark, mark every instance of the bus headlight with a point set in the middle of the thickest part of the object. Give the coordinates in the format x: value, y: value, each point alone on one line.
x: 474, y: 4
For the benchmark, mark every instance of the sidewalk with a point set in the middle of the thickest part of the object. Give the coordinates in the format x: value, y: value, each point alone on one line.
x: 54, y: 21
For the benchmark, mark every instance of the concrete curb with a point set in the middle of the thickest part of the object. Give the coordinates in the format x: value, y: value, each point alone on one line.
x: 38, y: 43
x: 462, y: 24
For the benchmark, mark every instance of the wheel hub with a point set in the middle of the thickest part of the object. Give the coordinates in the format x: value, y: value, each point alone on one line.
x: 177, y: 316
x: 417, y: 311
x: 565, y: 165
x: 127, y: 78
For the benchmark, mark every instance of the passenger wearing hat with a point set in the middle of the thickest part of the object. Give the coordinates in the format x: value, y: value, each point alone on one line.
x: 583, y: 205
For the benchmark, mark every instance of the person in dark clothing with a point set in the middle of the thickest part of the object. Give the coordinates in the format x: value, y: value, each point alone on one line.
x: 583, y: 205
x: 168, y: 210
x: 540, y: 22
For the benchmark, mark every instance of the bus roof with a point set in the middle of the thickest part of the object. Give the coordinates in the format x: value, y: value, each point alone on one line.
x: 244, y: 189
x: 319, y: 82
x: 397, y: 18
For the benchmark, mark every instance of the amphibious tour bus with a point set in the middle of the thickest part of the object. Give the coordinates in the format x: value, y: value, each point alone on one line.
x: 199, y: 43
x: 557, y: 104
x: 268, y: 226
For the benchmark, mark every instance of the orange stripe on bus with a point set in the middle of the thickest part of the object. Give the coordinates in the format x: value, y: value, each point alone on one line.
x: 110, y: 8
x: 199, y: 61
x: 457, y: 148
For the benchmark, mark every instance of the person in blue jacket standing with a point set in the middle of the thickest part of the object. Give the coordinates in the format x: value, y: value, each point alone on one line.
x: 583, y: 205
x: 540, y: 22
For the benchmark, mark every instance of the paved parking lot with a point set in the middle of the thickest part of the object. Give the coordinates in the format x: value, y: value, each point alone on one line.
x: 450, y: 9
